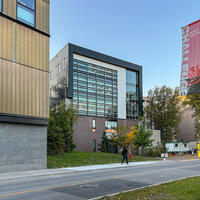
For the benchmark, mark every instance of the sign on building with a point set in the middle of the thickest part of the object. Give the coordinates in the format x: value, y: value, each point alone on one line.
x: 190, y: 70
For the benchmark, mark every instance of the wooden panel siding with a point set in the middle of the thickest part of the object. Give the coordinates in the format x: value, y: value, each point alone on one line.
x: 23, y: 90
x: 23, y: 45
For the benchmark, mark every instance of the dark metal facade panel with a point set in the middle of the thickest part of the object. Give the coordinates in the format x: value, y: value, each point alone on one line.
x: 11, y: 118
x: 102, y: 57
x: 70, y: 71
x: 140, y: 89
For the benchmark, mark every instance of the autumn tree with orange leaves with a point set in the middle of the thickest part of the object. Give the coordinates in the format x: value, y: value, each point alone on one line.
x: 124, y: 137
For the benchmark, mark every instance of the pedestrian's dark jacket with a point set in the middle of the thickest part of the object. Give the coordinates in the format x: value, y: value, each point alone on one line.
x: 124, y: 152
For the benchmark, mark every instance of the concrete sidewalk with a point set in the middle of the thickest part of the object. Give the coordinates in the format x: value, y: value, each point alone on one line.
x: 68, y: 170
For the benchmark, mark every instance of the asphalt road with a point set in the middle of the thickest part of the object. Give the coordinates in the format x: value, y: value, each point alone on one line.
x: 92, y: 184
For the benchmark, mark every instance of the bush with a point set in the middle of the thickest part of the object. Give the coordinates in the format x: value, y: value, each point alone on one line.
x: 152, y: 152
x: 107, y: 145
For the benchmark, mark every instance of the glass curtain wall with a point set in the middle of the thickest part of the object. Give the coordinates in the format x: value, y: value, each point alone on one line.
x: 94, y: 89
x: 132, y: 103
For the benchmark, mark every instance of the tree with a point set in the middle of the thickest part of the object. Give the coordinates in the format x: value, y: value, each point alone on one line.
x: 66, y: 120
x: 124, y: 137
x: 164, y: 111
x: 197, y: 128
x: 60, y: 91
x: 193, y: 101
x: 60, y: 130
x: 55, y: 137
x: 143, y: 136
x: 105, y: 143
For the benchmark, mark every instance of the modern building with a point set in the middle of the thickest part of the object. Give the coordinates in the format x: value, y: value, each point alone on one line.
x: 106, y: 92
x: 24, y: 84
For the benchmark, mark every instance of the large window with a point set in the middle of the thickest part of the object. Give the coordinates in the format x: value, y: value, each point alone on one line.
x: 94, y: 89
x: 110, y: 125
x: 26, y: 11
x: 132, y: 107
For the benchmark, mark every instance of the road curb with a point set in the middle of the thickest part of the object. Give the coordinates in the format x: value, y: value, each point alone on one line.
x: 68, y: 171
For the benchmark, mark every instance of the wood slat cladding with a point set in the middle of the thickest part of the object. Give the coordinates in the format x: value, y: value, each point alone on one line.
x: 24, y: 90
x: 24, y: 65
x: 23, y: 45
x: 42, y: 15
x: 9, y: 8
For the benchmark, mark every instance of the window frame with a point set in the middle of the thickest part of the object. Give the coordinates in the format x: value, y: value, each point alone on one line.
x: 28, y: 8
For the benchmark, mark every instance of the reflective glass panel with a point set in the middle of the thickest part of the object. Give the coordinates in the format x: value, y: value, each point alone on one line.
x: 131, y: 94
x: 0, y: 5
x: 91, y: 81
x: 25, y: 15
x: 28, y: 3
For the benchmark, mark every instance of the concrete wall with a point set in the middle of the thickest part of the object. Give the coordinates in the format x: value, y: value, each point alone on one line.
x: 58, y: 70
x: 83, y: 134
x: 186, y: 127
x: 156, y: 137
x: 23, y: 147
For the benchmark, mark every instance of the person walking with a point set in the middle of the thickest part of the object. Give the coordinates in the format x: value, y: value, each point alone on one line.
x: 125, y: 155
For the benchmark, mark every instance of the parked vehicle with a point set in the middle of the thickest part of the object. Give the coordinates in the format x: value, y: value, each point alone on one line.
x: 178, y: 147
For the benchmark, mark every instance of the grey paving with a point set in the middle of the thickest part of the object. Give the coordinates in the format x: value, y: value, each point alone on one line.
x: 48, y: 172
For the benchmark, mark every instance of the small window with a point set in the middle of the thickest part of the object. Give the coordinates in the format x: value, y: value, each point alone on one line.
x: 64, y: 62
x: 26, y: 11
x: 94, y: 123
x: 176, y: 145
x: 58, y: 68
x: 185, y: 145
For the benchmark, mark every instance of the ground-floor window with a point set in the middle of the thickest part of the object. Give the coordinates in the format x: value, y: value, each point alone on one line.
x: 94, y: 145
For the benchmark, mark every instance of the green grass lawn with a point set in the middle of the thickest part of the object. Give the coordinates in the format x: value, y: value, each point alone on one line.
x: 87, y: 158
x: 187, y: 189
